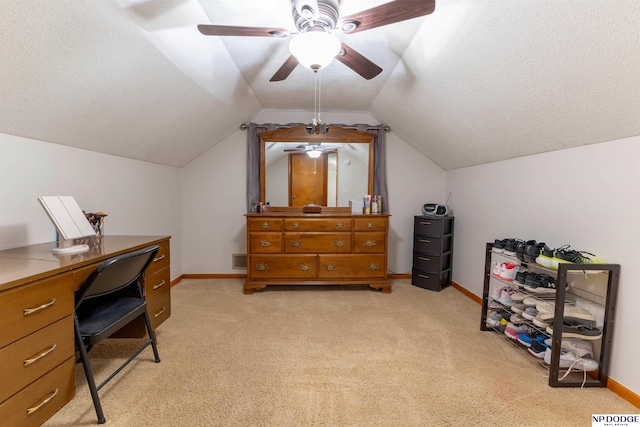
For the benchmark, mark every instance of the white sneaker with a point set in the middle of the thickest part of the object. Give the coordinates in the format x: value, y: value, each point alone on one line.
x: 571, y: 361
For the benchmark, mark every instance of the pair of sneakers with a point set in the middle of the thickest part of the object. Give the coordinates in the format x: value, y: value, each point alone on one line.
x: 506, y: 271
x: 574, y: 354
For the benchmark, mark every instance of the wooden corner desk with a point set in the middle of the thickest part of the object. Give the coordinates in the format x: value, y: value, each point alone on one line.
x: 37, y: 348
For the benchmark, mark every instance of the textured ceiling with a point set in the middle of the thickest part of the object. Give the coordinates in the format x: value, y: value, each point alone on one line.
x: 477, y: 81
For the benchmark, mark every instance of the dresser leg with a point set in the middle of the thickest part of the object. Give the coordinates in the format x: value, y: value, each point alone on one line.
x: 249, y: 288
x: 384, y: 287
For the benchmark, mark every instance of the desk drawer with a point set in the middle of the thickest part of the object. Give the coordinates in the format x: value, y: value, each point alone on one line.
x: 160, y: 261
x: 317, y: 224
x: 28, y: 308
x: 264, y: 224
x: 159, y: 310
x: 28, y: 359
x: 370, y: 223
x: 282, y: 267
x: 43, y: 398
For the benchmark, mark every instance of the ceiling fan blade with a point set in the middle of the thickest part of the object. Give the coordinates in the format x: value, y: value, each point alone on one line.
x: 227, y: 30
x: 283, y: 72
x: 385, y: 14
x: 358, y: 63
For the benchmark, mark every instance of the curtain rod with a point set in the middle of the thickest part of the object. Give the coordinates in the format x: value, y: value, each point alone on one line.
x: 245, y: 126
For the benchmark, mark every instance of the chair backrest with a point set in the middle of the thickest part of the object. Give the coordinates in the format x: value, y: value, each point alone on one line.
x: 116, y: 273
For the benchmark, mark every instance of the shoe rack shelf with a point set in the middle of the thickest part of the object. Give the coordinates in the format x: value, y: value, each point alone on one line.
x: 592, y: 286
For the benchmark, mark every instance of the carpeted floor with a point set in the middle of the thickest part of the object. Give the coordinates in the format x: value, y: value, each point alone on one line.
x: 329, y: 356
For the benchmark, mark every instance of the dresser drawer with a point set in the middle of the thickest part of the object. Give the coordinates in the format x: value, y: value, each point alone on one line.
x: 370, y: 223
x: 369, y: 242
x: 317, y: 224
x: 160, y: 261
x: 431, y: 245
x: 317, y: 242
x: 31, y: 357
x: 38, y: 402
x: 28, y: 308
x: 265, y: 242
x: 264, y: 224
x: 282, y: 267
x: 352, y: 266
x: 432, y: 263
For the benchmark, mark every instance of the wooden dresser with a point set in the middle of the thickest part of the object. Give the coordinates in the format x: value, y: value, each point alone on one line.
x: 37, y: 350
x: 333, y: 248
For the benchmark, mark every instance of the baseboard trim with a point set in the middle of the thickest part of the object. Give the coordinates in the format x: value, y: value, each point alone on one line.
x: 399, y: 276
x: 612, y: 384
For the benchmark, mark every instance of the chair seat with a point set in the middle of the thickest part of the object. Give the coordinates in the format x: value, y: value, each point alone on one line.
x: 103, y: 320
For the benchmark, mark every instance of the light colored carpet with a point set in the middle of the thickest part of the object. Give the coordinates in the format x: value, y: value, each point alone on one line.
x: 326, y: 356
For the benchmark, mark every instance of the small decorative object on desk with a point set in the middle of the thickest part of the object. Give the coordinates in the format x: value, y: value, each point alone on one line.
x: 96, y: 219
x: 311, y: 208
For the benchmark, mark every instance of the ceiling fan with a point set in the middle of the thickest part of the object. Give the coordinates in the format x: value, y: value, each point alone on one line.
x: 323, y: 16
x: 312, y: 149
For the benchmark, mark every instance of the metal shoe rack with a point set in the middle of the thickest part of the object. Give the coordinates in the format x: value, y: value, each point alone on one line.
x: 596, y: 290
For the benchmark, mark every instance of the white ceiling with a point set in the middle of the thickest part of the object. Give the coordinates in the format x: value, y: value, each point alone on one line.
x: 477, y: 81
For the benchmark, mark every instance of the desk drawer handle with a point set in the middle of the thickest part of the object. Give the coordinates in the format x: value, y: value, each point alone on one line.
x: 262, y: 267
x: 44, y: 402
x: 39, y: 356
x: 160, y: 258
x: 339, y: 243
x: 265, y: 243
x: 296, y: 243
x: 373, y: 267
x: 424, y: 259
x: 370, y: 225
x: 28, y: 311
x: 423, y: 276
x: 265, y: 224
x: 425, y: 223
x: 159, y: 312
x: 369, y: 243
x: 339, y: 226
x: 330, y: 267
x: 295, y: 225
x: 425, y: 241
x: 159, y: 285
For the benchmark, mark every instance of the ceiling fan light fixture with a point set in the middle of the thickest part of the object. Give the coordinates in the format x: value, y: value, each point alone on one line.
x: 315, y: 153
x: 315, y: 49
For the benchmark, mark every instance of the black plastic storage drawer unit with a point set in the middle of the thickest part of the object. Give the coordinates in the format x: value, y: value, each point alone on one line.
x: 432, y: 252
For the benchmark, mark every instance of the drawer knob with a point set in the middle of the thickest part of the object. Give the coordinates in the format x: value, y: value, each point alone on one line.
x: 43, y: 402
x: 265, y: 243
x: 295, y: 225
x: 339, y: 243
x: 160, y: 258
x: 28, y: 311
x: 373, y: 266
x: 370, y: 225
x: 339, y: 226
x: 296, y: 243
x: 37, y: 357
x: 262, y: 267
x: 159, y: 285
x: 159, y: 312
x: 369, y: 243
x: 305, y: 267
x: 330, y: 267
x: 265, y: 224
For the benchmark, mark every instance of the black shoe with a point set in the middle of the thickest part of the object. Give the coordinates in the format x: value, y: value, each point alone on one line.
x: 521, y: 247
x: 498, y: 246
x: 510, y: 246
x: 531, y: 252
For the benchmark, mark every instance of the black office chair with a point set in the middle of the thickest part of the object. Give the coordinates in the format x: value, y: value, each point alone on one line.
x: 109, y: 299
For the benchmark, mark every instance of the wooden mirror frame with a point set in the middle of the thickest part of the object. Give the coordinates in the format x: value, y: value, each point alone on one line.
x: 301, y: 134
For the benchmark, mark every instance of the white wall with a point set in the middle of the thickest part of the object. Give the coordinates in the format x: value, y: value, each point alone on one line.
x: 214, y: 196
x: 140, y: 198
x: 588, y: 197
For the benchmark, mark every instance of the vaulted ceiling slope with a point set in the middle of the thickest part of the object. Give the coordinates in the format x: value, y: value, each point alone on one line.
x: 472, y: 83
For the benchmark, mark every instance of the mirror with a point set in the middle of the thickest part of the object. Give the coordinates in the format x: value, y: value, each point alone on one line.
x: 343, y: 170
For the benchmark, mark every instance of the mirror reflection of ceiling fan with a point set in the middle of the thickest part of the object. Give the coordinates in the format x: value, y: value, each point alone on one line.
x: 313, y: 150
x: 314, y: 17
